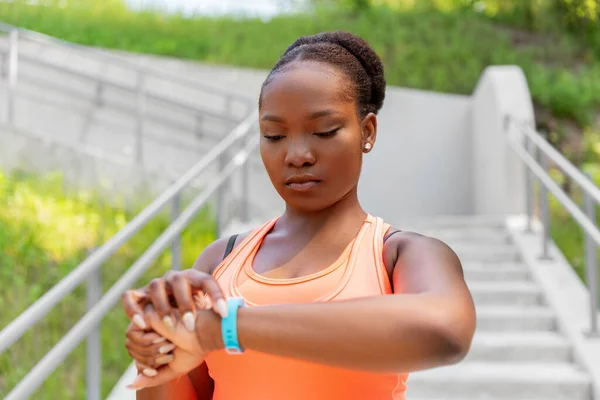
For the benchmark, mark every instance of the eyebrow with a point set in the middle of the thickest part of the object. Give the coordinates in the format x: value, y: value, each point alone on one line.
x: 311, y: 116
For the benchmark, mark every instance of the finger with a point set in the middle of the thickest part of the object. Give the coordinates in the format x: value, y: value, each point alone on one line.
x: 150, y: 351
x: 164, y: 375
x: 157, y: 292
x: 146, y: 370
x: 157, y: 324
x: 205, y: 282
x: 142, y: 337
x: 151, y: 361
x: 133, y: 302
x: 183, y: 296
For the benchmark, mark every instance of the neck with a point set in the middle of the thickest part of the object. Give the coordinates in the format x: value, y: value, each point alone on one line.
x: 343, y: 215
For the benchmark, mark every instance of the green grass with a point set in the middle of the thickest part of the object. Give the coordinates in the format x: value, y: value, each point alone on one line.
x: 564, y: 229
x: 44, y: 234
x: 421, y: 47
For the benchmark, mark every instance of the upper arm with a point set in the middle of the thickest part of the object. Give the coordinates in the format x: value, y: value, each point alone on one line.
x: 424, y: 264
x: 427, y: 266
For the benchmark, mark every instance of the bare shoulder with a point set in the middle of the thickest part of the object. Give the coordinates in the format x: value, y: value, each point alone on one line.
x: 408, y: 249
x: 213, y: 254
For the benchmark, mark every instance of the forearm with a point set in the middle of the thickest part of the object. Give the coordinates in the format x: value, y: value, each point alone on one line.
x: 389, y: 334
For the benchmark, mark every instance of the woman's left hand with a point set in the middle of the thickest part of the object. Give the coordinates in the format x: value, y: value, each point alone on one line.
x: 189, y: 351
x: 176, y: 300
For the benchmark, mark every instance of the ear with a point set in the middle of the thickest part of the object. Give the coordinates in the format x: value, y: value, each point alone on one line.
x: 369, y: 132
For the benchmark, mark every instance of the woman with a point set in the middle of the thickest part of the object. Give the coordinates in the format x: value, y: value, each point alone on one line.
x: 328, y: 301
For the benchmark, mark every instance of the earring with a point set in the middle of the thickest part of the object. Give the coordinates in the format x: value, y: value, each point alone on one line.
x: 367, y: 146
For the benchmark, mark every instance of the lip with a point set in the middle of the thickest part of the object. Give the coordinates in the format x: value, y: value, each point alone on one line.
x: 302, y: 183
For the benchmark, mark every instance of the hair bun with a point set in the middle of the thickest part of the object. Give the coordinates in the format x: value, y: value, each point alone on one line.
x: 361, y: 50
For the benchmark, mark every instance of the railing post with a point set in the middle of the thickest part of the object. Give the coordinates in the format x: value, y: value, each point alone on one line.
x: 93, y: 344
x: 528, y: 186
x: 591, y: 263
x: 544, y: 208
x: 176, y: 243
x: 140, y: 115
x: 199, y: 119
x: 13, y: 64
x: 99, y: 93
x: 245, y: 172
x: 220, y: 198
x: 228, y: 106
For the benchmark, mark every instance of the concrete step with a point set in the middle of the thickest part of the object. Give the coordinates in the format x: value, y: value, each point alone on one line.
x: 455, y: 222
x: 515, y: 319
x: 482, y: 380
x: 519, y: 347
x: 506, y: 293
x: 478, y: 235
x: 482, y: 274
x: 486, y: 253
x: 468, y: 264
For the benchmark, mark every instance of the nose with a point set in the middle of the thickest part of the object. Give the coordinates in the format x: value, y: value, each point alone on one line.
x: 299, y: 153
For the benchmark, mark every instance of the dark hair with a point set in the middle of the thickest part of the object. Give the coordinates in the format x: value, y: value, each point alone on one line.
x: 350, y: 54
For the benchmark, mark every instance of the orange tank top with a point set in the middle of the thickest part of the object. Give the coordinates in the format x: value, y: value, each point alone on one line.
x: 358, y: 272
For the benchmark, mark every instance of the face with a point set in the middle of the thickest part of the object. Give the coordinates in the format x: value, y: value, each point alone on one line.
x: 312, y: 139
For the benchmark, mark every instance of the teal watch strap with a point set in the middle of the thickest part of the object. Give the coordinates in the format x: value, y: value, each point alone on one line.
x: 229, y: 326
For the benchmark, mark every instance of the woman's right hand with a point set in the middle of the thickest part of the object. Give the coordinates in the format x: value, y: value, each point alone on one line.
x: 176, y: 291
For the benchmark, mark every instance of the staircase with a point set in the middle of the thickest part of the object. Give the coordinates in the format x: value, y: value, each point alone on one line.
x: 517, y: 352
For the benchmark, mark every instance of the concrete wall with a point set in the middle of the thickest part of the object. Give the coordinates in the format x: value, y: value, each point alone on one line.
x: 436, y: 154
x: 421, y: 162
x: 440, y: 154
x: 498, y: 174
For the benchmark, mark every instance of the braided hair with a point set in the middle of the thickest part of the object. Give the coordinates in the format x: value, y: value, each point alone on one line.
x: 351, y: 55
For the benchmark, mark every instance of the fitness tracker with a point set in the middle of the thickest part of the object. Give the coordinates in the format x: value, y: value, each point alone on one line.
x: 229, y: 326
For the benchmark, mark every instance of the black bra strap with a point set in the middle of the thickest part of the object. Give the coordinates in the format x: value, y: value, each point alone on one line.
x: 390, y: 234
x: 230, y: 245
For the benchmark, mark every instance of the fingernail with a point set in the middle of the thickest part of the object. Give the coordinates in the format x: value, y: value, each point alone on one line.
x: 168, y: 321
x: 189, y: 321
x: 159, y: 340
x: 221, y: 308
x: 166, y: 348
x: 150, y: 372
x: 164, y: 359
x: 136, y: 384
x: 139, y: 321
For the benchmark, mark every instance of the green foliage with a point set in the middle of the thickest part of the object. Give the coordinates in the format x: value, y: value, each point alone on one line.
x: 44, y: 234
x: 564, y: 229
x: 421, y: 47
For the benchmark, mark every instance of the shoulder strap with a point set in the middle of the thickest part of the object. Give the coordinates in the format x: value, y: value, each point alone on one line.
x: 390, y: 234
x: 230, y: 245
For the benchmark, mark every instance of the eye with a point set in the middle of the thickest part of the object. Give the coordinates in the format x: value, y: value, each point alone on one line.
x: 273, y: 137
x: 327, y: 134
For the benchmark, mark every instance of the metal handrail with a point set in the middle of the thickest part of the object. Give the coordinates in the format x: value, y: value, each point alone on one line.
x: 115, y: 59
x: 12, y: 332
x: 89, y: 322
x: 524, y: 141
x: 89, y: 268
x: 105, y: 82
x: 143, y: 97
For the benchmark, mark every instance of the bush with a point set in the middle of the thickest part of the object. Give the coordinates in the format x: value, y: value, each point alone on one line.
x: 44, y: 234
x: 421, y: 47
